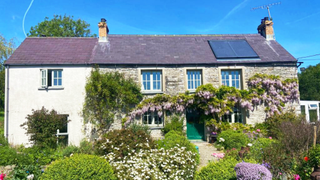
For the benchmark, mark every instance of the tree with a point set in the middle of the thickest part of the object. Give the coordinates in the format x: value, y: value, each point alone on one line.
x: 61, y: 27
x: 309, y: 83
x: 6, y: 49
x: 42, y: 126
x: 107, y: 95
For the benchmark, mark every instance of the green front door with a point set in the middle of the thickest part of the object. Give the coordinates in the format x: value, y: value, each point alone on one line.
x: 195, y: 128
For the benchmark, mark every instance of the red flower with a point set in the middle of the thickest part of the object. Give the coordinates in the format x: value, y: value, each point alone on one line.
x: 306, y: 158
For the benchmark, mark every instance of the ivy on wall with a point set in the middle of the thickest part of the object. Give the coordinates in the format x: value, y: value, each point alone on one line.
x: 216, y: 102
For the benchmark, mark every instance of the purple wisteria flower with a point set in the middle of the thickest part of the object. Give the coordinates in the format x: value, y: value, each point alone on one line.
x: 252, y: 171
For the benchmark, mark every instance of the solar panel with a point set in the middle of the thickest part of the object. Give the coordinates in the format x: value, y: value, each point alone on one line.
x: 232, y: 49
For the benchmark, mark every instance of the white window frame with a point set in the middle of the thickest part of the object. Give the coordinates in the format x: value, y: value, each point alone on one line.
x: 233, y: 115
x: 44, y: 75
x: 152, y: 82
x: 44, y: 78
x: 59, y: 133
x: 228, y: 79
x: 58, y: 78
x: 153, y: 116
x: 193, y: 81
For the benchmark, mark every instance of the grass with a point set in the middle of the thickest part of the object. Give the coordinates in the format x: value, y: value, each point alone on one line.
x: 1, y: 123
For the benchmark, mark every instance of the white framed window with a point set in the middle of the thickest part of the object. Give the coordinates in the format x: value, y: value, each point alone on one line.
x: 231, y: 78
x: 151, y: 80
x: 235, y: 117
x: 152, y: 119
x: 63, y: 131
x: 50, y: 78
x: 194, y: 79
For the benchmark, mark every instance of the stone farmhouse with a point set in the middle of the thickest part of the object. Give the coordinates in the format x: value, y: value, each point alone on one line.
x: 52, y: 72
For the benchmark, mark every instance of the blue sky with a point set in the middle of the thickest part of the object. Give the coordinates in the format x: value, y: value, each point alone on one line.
x: 296, y: 22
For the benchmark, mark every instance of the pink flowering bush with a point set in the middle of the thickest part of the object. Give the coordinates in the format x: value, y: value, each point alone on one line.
x: 218, y: 155
x: 2, y: 176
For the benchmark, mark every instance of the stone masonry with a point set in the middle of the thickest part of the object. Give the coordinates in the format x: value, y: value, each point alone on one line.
x: 174, y: 81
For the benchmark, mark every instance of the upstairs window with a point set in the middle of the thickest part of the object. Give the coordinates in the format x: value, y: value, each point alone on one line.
x: 151, y: 80
x: 194, y: 79
x: 51, y: 78
x: 231, y: 78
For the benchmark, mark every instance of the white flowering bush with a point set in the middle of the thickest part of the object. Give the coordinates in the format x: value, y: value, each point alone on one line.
x: 174, y: 163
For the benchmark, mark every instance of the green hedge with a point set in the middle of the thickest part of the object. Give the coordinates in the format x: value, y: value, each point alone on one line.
x: 220, y: 170
x: 232, y: 139
x: 79, y: 166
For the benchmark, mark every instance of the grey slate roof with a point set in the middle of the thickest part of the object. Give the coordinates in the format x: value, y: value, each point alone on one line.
x: 140, y: 49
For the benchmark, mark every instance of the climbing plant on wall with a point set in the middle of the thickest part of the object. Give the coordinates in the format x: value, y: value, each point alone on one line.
x: 216, y: 102
x: 108, y: 94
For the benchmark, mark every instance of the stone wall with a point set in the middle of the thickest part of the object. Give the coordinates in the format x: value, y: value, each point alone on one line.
x: 174, y: 81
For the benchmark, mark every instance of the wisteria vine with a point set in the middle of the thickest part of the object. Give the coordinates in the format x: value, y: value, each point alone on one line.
x: 263, y: 89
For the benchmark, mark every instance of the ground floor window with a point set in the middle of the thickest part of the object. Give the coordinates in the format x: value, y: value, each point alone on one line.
x: 62, y: 132
x: 235, y: 117
x: 152, y: 119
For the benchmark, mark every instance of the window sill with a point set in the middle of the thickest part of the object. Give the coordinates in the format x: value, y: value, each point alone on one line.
x: 155, y: 128
x: 192, y: 90
x: 152, y: 92
x: 51, y: 88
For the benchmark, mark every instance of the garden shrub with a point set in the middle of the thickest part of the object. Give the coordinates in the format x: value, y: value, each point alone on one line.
x: 262, y: 127
x: 35, y: 156
x: 174, y: 124
x: 79, y: 166
x: 305, y: 164
x: 280, y: 160
x: 68, y: 150
x: 134, y: 127
x: 272, y: 123
x: 42, y: 126
x: 23, y: 171
x: 314, y: 156
x: 220, y: 170
x: 174, y: 163
x: 258, y: 146
x: 294, y: 139
x: 3, y: 141
x: 250, y: 171
x: 8, y: 155
x: 122, y: 142
x: 232, y: 139
x: 86, y: 147
x: 173, y: 139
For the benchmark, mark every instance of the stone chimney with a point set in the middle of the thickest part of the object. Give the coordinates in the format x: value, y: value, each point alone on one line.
x: 103, y: 30
x: 266, y: 29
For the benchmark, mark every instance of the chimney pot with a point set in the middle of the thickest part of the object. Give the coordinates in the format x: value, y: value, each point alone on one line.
x: 103, y: 30
x: 266, y: 29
